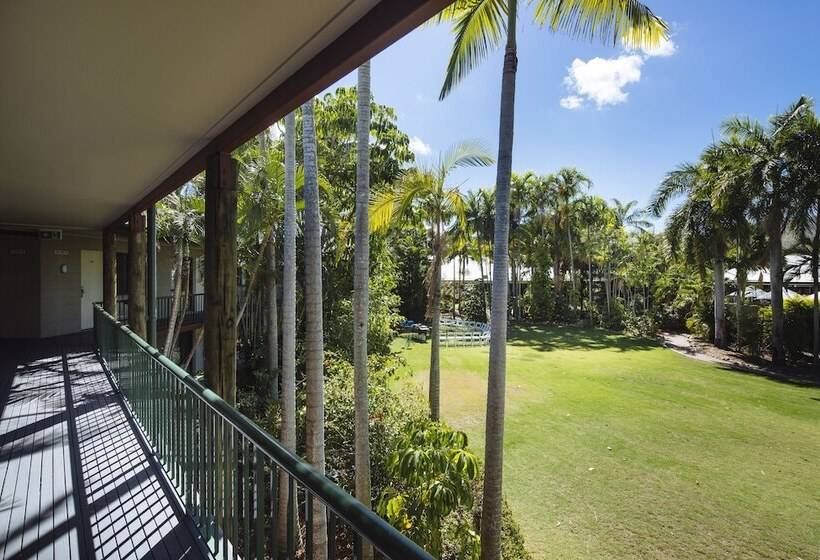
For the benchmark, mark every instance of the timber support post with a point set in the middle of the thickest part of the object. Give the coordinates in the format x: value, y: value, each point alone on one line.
x: 220, y: 275
x: 152, y: 275
x: 136, y: 274
x: 109, y: 272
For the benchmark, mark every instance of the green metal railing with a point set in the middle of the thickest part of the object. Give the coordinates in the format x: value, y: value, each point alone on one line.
x: 228, y: 471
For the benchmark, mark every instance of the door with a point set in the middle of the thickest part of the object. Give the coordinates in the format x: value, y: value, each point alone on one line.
x: 91, y: 273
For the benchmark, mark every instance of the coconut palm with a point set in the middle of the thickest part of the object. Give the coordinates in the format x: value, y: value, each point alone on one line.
x: 361, y: 276
x: 314, y: 344
x: 769, y: 176
x: 425, y: 190
x: 479, y: 27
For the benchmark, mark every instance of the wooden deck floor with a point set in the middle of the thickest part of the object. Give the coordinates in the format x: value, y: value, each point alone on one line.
x: 77, y: 479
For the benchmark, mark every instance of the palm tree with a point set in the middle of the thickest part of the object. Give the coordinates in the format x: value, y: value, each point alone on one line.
x: 426, y: 190
x: 770, y: 178
x: 627, y: 214
x: 567, y: 185
x: 698, y: 226
x: 314, y: 344
x: 288, y: 382
x: 180, y: 218
x: 361, y: 276
x: 593, y: 214
x: 520, y: 194
x: 479, y: 27
x: 805, y: 144
x: 271, y: 309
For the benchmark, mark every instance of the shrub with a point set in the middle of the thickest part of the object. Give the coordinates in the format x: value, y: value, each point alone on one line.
x: 640, y: 325
x: 539, y: 301
x: 697, y: 328
x: 797, y: 326
x: 472, y: 306
x: 613, y: 319
x: 381, y: 318
x: 751, y: 335
x: 432, y: 472
x: 390, y: 411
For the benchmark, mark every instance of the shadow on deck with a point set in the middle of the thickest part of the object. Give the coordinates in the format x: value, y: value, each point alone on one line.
x: 77, y: 479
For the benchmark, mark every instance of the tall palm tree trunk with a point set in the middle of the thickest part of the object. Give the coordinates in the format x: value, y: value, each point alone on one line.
x: 571, y: 265
x: 172, y: 320
x: 314, y: 344
x: 361, y: 295
x: 496, y: 379
x: 740, y: 281
x: 434, y: 314
x: 719, y: 291
x: 483, y: 284
x: 774, y: 227
x: 271, y: 314
x: 288, y: 386
x: 815, y: 284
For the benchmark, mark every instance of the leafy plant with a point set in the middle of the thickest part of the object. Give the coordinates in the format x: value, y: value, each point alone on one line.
x: 433, y: 473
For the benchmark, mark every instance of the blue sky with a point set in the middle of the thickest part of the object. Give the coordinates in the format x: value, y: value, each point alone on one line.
x: 730, y: 57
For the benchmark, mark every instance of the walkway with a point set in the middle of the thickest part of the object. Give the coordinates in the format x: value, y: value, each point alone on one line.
x: 77, y: 479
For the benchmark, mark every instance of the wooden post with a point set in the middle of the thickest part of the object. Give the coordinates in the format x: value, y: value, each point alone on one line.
x: 220, y: 275
x: 136, y: 274
x: 109, y: 272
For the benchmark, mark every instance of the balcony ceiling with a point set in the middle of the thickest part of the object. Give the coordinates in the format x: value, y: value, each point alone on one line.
x: 100, y: 101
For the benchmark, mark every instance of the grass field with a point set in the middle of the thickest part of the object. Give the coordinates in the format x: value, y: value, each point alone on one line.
x: 618, y: 448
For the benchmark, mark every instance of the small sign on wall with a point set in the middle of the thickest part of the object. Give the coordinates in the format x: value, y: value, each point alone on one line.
x: 61, y: 252
x: 55, y: 234
x: 17, y: 252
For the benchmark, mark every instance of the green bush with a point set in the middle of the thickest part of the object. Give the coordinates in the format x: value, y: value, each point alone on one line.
x: 613, y: 318
x: 757, y: 327
x: 751, y: 334
x: 382, y: 317
x: 390, y: 411
x: 539, y: 301
x: 697, y: 328
x: 432, y: 473
x: 472, y: 306
x: 797, y: 326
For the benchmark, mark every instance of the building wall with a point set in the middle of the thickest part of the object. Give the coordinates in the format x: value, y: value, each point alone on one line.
x: 61, y: 292
x: 39, y: 297
x: 19, y: 286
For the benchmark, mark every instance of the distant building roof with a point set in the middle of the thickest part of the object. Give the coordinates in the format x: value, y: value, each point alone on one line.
x: 797, y: 271
x: 450, y: 270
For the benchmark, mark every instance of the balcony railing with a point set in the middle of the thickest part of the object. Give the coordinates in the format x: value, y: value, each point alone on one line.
x: 227, y: 470
x: 194, y: 309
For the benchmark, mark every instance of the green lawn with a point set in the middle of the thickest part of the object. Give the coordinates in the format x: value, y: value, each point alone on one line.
x: 616, y: 447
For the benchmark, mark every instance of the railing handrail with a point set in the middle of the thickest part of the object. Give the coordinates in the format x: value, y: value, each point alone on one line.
x: 367, y: 523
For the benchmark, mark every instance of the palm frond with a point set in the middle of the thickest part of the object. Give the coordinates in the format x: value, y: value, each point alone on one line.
x: 479, y: 28
x: 610, y: 21
x: 469, y: 153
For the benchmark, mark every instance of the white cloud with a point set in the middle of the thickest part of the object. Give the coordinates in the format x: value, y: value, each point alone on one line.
x: 418, y: 147
x: 667, y: 47
x: 572, y: 102
x: 601, y: 80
